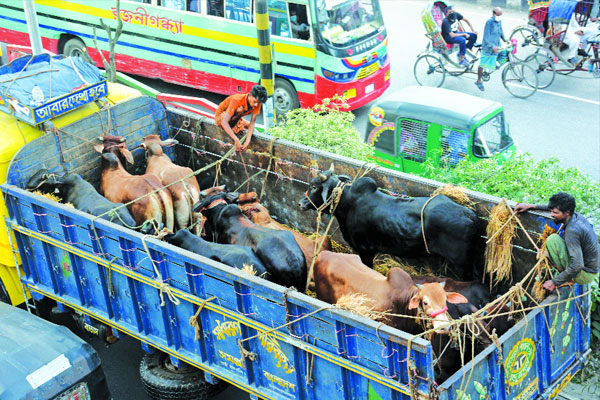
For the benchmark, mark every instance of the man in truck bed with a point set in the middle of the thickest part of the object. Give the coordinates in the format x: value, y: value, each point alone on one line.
x: 577, y: 255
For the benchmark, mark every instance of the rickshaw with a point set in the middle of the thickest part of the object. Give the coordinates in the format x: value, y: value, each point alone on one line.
x: 541, y: 40
x: 435, y: 62
x: 417, y: 127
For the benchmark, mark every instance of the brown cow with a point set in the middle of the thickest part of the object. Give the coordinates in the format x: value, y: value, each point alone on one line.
x: 259, y: 214
x: 120, y: 186
x: 185, y: 193
x: 338, y: 274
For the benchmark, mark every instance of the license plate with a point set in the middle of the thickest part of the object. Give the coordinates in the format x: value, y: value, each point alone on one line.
x: 350, y: 93
x: 79, y: 392
x: 370, y: 88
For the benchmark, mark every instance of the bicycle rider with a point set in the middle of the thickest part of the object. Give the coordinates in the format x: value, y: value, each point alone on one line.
x: 451, y: 35
x: 490, y: 46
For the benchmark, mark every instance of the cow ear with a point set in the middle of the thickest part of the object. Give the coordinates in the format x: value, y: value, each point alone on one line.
x: 127, y: 154
x: 324, y: 193
x: 454, y: 298
x: 414, y: 302
x: 99, y: 148
x: 169, y: 142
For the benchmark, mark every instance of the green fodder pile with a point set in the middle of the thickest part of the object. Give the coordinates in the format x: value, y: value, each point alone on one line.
x: 501, y: 229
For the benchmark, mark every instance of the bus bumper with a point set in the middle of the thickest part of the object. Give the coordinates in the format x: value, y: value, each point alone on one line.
x: 357, y: 93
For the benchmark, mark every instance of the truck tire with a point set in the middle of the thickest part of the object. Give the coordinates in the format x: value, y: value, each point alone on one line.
x: 285, y: 97
x: 163, y: 381
x: 4, y: 297
x: 75, y: 47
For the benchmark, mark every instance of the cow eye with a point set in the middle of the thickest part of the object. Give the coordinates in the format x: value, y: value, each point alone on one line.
x: 425, y: 303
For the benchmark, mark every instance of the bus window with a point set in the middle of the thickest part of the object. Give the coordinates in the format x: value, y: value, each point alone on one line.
x: 345, y: 22
x: 215, y: 7
x: 174, y: 4
x: 239, y: 10
x: 299, y: 21
x: 194, y: 5
x: 278, y: 18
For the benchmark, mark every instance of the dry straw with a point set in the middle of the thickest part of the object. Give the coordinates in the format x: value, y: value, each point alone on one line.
x: 383, y: 262
x: 249, y: 269
x: 542, y: 273
x: 52, y: 197
x: 456, y: 193
x: 501, y: 229
x: 360, y: 304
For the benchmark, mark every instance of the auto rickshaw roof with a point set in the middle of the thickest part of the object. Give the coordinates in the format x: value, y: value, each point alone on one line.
x: 440, y: 106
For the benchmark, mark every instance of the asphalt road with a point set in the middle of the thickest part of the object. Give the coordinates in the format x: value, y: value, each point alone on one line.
x: 561, y: 121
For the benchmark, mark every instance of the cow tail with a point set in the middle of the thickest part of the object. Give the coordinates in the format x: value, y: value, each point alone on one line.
x: 167, y: 203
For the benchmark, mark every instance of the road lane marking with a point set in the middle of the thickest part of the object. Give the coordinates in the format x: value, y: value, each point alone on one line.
x: 561, y: 95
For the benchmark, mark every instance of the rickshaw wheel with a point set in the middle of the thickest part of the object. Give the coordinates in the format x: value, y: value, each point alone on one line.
x: 528, y: 42
x: 543, y: 64
x: 520, y: 79
x: 596, y: 69
x: 429, y: 70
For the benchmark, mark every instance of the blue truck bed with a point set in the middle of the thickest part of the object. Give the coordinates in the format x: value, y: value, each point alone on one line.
x: 273, y: 342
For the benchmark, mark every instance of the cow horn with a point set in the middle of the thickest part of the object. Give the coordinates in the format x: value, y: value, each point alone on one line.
x: 331, y: 167
x: 419, y: 286
x: 322, y: 177
x: 121, y: 140
x: 442, y: 284
x: 203, y: 193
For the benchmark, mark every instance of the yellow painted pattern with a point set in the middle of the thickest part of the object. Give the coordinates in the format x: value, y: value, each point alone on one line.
x: 291, y: 49
x: 261, y: 328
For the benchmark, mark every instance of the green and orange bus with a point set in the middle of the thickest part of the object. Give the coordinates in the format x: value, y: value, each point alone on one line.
x: 320, y: 47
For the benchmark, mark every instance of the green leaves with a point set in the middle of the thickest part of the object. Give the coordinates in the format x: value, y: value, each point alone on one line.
x: 326, y: 127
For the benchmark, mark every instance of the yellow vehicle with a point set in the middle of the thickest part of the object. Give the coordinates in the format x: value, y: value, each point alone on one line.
x: 32, y: 104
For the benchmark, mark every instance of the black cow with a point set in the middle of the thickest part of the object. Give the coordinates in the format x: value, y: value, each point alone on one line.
x: 373, y: 222
x: 72, y: 188
x: 278, y: 250
x: 230, y: 254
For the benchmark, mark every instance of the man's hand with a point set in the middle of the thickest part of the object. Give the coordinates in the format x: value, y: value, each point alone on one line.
x: 522, y: 207
x: 245, y: 145
x: 495, y: 49
x: 549, y: 286
x: 475, y: 32
x: 238, y: 145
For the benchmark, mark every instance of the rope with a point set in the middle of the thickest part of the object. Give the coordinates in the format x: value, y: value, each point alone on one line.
x: 164, y: 287
x: 423, y: 222
x: 194, y: 318
x: 245, y: 353
x: 502, y: 227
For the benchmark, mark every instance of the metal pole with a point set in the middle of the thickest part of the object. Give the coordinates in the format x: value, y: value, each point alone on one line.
x: 265, y: 59
x: 34, y: 29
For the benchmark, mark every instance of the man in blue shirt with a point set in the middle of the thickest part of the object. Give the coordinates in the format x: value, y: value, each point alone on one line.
x: 490, y: 45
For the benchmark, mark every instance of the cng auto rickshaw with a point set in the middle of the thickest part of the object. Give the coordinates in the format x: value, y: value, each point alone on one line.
x: 418, y: 124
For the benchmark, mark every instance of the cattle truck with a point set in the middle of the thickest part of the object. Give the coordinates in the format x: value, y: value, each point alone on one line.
x: 271, y: 341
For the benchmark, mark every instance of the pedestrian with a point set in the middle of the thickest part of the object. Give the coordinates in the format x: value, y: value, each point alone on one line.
x: 230, y: 114
x: 576, y: 255
x: 451, y: 35
x: 490, y: 46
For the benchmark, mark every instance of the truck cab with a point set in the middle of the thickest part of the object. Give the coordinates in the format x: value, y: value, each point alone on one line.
x: 41, y: 94
x: 418, y: 125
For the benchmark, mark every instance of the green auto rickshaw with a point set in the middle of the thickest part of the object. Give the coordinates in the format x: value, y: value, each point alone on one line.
x: 418, y: 124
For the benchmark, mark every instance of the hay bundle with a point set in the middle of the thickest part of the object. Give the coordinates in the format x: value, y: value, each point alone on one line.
x: 360, y: 304
x: 542, y: 272
x: 456, y: 193
x: 501, y: 230
x: 52, y: 197
x: 383, y: 262
x: 337, y: 247
x: 249, y: 269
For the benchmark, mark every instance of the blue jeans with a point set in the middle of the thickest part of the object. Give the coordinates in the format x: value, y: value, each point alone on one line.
x: 464, y: 44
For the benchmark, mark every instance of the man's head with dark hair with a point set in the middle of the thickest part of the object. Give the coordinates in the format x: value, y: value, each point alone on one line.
x: 562, y: 206
x: 259, y: 93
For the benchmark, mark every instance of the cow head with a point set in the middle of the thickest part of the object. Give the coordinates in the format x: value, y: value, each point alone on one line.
x: 116, y: 145
x: 320, y: 189
x: 432, y: 298
x: 45, y: 182
x: 210, y: 198
x: 153, y: 145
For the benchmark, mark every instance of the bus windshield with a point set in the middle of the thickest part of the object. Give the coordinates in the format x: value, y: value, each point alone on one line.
x: 345, y: 22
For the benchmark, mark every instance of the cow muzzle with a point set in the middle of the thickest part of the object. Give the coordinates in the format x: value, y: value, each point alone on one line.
x: 304, y: 204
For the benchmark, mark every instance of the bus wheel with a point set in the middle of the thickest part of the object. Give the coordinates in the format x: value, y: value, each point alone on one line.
x: 285, y: 97
x: 163, y: 381
x: 74, y: 47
